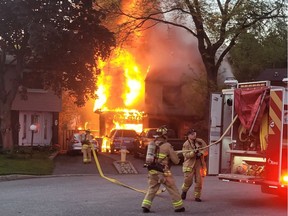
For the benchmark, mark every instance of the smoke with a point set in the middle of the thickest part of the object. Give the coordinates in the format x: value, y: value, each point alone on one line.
x: 169, y: 52
x: 163, y: 53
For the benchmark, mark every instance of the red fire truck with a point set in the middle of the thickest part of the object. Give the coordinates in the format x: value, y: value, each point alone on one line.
x: 248, y: 135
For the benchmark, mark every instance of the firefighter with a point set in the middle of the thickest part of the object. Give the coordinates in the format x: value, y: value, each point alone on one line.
x: 159, y: 172
x: 86, y: 146
x: 194, y: 166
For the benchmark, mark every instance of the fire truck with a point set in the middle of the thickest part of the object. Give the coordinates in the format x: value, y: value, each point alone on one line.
x: 248, y: 135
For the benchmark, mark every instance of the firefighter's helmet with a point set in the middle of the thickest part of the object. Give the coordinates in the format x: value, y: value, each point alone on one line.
x: 191, y: 131
x: 162, y: 131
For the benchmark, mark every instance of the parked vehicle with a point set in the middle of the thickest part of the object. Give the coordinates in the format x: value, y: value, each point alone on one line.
x: 147, y: 135
x: 75, y: 145
x: 121, y: 138
x: 253, y: 148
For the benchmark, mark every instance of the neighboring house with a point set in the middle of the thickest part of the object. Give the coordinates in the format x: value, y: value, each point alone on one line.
x: 42, y: 109
x: 274, y: 75
x: 39, y: 107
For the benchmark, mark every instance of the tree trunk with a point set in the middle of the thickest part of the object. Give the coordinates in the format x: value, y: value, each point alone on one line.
x: 211, y: 77
x: 6, y: 128
x: 9, y: 84
x: 211, y: 72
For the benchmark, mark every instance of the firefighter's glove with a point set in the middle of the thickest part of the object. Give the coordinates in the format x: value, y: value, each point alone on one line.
x: 198, y: 155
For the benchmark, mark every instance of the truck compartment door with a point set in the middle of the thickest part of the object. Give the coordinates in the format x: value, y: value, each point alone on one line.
x: 275, y: 135
x: 214, y: 133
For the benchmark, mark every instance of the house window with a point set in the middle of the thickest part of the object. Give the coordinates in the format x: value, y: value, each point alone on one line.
x: 171, y: 95
x: 24, y: 127
x: 45, y: 129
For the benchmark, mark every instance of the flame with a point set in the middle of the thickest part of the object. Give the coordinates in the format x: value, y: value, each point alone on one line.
x: 121, y: 89
x: 121, y: 84
x: 121, y: 74
x: 123, y: 119
x: 128, y: 119
x: 101, y: 92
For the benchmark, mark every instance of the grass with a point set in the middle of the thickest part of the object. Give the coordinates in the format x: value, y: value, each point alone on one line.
x: 26, y: 163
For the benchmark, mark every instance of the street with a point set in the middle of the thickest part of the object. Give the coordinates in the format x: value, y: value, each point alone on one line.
x: 90, y: 194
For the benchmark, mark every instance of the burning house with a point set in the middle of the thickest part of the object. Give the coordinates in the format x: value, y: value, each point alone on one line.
x: 158, y: 81
x: 158, y: 78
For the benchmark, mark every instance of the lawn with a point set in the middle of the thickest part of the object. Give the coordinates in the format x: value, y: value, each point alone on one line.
x: 26, y: 163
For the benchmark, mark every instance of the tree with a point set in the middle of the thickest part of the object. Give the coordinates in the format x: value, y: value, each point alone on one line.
x: 253, y: 53
x: 60, y: 40
x: 69, y: 117
x: 216, y: 24
x: 247, y: 58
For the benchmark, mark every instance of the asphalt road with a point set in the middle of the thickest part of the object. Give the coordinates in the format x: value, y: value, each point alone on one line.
x: 78, y: 189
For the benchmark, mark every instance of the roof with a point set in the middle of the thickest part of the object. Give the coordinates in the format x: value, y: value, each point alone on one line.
x: 273, y: 74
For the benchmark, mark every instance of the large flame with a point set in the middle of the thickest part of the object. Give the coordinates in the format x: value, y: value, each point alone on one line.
x: 121, y: 80
x: 121, y: 86
x: 121, y: 90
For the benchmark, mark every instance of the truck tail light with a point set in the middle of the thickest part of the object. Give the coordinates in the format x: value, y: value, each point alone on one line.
x: 284, y: 179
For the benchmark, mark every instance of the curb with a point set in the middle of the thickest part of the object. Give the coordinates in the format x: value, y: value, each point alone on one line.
x: 22, y: 177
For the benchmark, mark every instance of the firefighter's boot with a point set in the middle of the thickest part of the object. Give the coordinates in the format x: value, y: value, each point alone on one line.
x: 88, y: 151
x: 145, y: 210
x: 180, y: 210
x: 85, y: 153
x: 183, y: 195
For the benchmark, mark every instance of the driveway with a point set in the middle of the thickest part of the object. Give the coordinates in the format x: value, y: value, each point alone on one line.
x: 65, y: 164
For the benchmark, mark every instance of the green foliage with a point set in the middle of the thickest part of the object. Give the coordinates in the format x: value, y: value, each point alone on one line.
x: 192, y: 94
x: 58, y: 39
x: 254, y: 52
x: 216, y: 25
x: 70, y: 111
x: 247, y: 57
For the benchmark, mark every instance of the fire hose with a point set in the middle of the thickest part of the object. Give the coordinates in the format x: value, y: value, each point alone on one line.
x: 213, y: 143
x: 115, y: 181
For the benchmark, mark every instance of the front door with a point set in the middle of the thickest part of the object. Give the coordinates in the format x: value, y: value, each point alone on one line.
x: 42, y: 135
